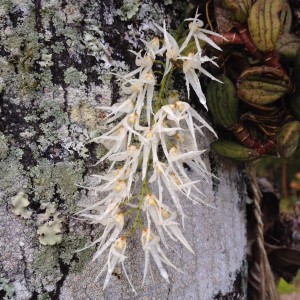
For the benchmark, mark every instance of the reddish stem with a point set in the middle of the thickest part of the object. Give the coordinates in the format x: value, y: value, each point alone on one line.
x: 247, y: 40
x: 243, y: 37
x: 247, y: 140
x: 227, y: 39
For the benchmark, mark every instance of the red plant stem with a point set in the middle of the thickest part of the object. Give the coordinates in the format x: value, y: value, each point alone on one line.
x: 246, y: 38
x: 271, y: 58
x: 228, y: 38
x: 247, y: 140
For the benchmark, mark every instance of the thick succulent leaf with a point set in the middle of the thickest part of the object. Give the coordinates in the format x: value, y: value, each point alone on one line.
x: 264, y: 23
x: 262, y: 85
x: 288, y: 139
x: 238, y: 8
x: 287, y: 46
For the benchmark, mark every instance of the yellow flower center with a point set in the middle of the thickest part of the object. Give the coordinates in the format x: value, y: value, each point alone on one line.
x: 121, y: 243
x: 132, y: 118
x: 120, y: 186
x: 165, y: 214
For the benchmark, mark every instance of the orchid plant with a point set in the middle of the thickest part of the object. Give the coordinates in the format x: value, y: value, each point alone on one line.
x: 154, y: 134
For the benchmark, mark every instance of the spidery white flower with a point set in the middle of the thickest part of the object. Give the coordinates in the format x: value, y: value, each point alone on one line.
x: 152, y: 135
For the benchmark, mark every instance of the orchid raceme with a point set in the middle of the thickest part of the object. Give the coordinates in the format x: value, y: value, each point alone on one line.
x: 152, y: 139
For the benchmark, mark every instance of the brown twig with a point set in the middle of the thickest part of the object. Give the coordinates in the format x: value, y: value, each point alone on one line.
x: 207, y: 15
x: 268, y: 287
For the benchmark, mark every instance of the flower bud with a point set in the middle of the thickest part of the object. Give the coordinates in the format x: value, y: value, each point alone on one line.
x: 120, y: 244
x: 155, y: 43
x: 180, y: 105
x: 174, y: 151
x: 120, y: 186
x: 132, y: 118
x: 132, y: 151
x: 151, y: 199
x: 165, y: 214
x: 119, y: 218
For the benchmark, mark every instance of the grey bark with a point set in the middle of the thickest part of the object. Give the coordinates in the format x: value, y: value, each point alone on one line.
x: 47, y: 117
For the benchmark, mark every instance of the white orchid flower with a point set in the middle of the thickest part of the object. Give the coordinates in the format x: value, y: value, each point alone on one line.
x: 184, y: 117
x: 161, y: 175
x: 100, y: 212
x: 150, y: 206
x: 171, y: 47
x: 144, y: 63
x: 119, y: 137
x: 149, y: 144
x: 113, y: 227
x: 118, y: 109
x: 131, y: 157
x: 153, y: 47
x: 198, y: 33
x: 149, y: 79
x: 164, y: 218
x: 150, y: 243
x: 116, y: 256
x: 191, y: 63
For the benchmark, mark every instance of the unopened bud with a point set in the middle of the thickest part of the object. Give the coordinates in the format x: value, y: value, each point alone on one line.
x: 132, y: 118
x: 150, y: 198
x: 149, y: 76
x: 175, y: 178
x: 149, y: 134
x: 120, y: 186
x: 155, y: 43
x: 180, y: 105
x: 119, y: 218
x: 131, y: 150
x: 121, y: 243
x: 173, y: 151
x: 165, y: 214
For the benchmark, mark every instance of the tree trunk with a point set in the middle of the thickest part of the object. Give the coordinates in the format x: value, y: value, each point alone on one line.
x: 57, y: 57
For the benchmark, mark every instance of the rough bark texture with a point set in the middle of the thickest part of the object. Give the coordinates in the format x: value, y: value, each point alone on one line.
x: 47, y: 117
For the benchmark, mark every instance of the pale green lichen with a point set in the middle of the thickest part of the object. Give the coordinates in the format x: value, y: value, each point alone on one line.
x: 12, y: 175
x: 61, y: 178
x: 67, y: 176
x: 7, y: 287
x: 82, y: 258
x: 20, y: 204
x: 129, y: 9
x: 42, y: 183
x: 46, y: 264
x: 73, y: 77
x: 58, y: 47
x: 70, y: 255
x: 50, y: 225
x: 21, y: 43
x: 24, y: 80
x: 3, y: 146
x: 54, y: 125
x: 72, y: 13
x: 43, y: 296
